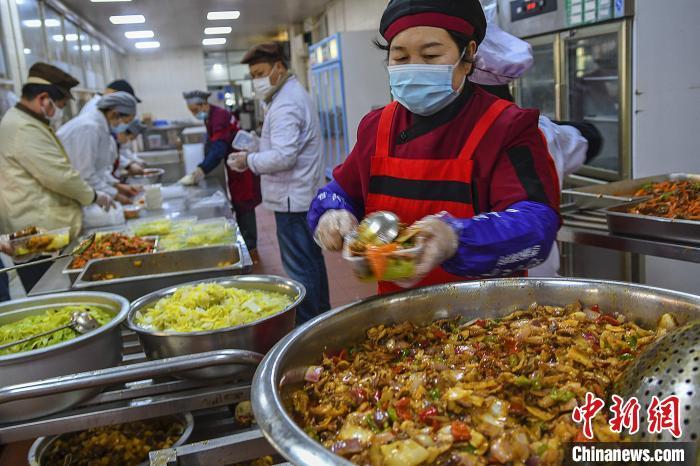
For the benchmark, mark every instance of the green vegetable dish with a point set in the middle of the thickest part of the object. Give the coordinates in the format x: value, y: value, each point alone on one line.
x: 48, y: 320
x: 210, y: 306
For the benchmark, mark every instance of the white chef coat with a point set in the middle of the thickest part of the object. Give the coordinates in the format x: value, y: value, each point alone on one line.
x: 91, y: 149
x: 127, y: 156
x: 568, y: 149
x: 91, y: 104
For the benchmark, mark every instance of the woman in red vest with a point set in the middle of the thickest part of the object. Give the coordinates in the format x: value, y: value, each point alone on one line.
x: 243, y: 187
x: 473, y: 170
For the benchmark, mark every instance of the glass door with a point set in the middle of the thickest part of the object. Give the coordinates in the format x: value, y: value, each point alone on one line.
x: 537, y: 88
x: 595, y: 91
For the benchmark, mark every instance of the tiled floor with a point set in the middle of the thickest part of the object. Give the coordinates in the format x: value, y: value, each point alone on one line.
x: 344, y: 288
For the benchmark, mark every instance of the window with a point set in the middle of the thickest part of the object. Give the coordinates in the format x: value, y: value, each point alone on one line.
x: 4, y: 68
x: 72, y: 43
x: 56, y: 39
x: 31, y: 24
x: 92, y: 60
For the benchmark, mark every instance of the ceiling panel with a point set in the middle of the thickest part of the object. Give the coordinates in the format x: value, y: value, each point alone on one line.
x: 181, y: 23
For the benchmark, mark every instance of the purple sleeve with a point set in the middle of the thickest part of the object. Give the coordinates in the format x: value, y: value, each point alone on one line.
x: 330, y: 197
x: 498, y: 244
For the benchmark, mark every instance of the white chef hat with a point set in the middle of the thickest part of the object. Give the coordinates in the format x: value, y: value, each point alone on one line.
x: 501, y: 57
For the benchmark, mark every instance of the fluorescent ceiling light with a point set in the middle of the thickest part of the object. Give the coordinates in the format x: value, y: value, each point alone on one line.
x: 127, y: 19
x: 85, y: 48
x: 217, y: 30
x: 147, y: 45
x: 27, y: 51
x: 105, y: 1
x: 217, y: 67
x: 95, y: 48
x: 36, y: 23
x: 214, y: 41
x: 138, y: 34
x: 71, y: 37
x: 67, y: 37
x: 214, y: 15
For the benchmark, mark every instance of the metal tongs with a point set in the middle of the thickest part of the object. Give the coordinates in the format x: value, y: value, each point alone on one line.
x: 79, y: 249
x: 80, y: 322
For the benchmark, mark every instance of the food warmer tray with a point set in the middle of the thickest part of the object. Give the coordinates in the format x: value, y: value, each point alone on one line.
x: 160, y: 270
x: 612, y: 194
x: 217, y: 437
x: 622, y: 222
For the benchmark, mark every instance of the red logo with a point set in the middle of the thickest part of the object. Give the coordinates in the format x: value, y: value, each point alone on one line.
x: 665, y: 415
x: 587, y: 412
x: 624, y: 415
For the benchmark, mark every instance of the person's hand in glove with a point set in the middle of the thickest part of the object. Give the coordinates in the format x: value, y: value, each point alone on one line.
x: 127, y: 190
x: 104, y: 200
x: 193, y: 178
x: 440, y: 242
x: 5, y: 245
x: 332, y: 227
x: 238, y: 161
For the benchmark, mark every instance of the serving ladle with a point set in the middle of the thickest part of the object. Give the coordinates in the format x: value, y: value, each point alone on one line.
x: 79, y: 249
x: 382, y: 225
x: 81, y: 321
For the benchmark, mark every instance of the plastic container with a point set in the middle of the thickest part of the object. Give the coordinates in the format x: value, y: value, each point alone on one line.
x: 132, y: 211
x: 42, y: 242
x: 160, y: 226
x: 400, y: 263
x: 245, y: 141
x: 211, y: 233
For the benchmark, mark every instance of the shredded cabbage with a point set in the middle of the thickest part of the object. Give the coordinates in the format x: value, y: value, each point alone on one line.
x: 48, y: 320
x: 209, y: 306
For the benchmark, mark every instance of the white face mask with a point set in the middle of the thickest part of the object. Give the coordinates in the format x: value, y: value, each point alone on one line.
x: 262, y: 86
x: 57, y: 116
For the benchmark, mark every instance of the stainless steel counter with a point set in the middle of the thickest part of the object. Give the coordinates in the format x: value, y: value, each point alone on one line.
x: 590, y: 228
x: 55, y: 281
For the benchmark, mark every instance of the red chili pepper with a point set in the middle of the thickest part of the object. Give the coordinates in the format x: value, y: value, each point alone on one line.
x: 517, y: 408
x: 398, y: 369
x: 511, y: 345
x: 481, y: 323
x: 439, y: 333
x: 423, y: 343
x: 595, y: 308
x: 460, y: 431
x: 589, y: 337
x: 608, y: 319
x: 427, y: 414
x: 403, y: 408
x: 343, y: 354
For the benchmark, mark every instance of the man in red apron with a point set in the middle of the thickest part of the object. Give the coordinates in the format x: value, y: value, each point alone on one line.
x: 471, y: 169
x: 243, y: 187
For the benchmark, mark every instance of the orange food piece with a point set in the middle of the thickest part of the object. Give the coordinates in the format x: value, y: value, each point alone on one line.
x: 377, y: 256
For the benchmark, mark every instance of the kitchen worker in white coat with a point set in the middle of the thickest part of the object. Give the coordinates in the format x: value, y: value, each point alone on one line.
x: 118, y: 85
x: 92, y: 149
x: 502, y: 58
x: 290, y: 166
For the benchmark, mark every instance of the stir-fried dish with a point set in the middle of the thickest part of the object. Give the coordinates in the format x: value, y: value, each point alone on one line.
x: 493, y: 391
x: 670, y: 199
x: 120, y: 445
x: 113, y: 245
x: 48, y: 320
x: 210, y: 306
x: 384, y: 261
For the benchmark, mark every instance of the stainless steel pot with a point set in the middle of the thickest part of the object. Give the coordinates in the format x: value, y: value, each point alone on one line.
x: 99, y: 349
x: 42, y: 444
x: 285, y: 364
x: 258, y: 336
x: 150, y: 176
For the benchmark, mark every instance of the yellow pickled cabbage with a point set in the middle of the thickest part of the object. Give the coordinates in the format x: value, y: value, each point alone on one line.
x: 209, y: 306
x: 39, y: 323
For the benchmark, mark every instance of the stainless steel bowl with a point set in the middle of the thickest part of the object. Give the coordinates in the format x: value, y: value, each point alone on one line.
x: 99, y: 349
x: 258, y: 336
x: 489, y: 298
x: 150, y: 176
x: 42, y: 444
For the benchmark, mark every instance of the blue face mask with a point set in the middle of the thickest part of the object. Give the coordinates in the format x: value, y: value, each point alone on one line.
x: 424, y: 89
x: 120, y: 128
x: 201, y: 115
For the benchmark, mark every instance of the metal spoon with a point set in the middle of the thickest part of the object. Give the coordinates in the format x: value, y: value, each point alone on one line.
x: 82, y: 322
x: 79, y: 249
x: 382, y: 225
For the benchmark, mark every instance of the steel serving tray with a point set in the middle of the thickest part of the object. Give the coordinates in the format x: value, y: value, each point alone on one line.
x: 622, y: 222
x: 141, y: 274
x: 612, y: 194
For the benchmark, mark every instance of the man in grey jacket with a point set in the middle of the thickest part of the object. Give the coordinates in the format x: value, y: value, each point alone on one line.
x: 290, y: 166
